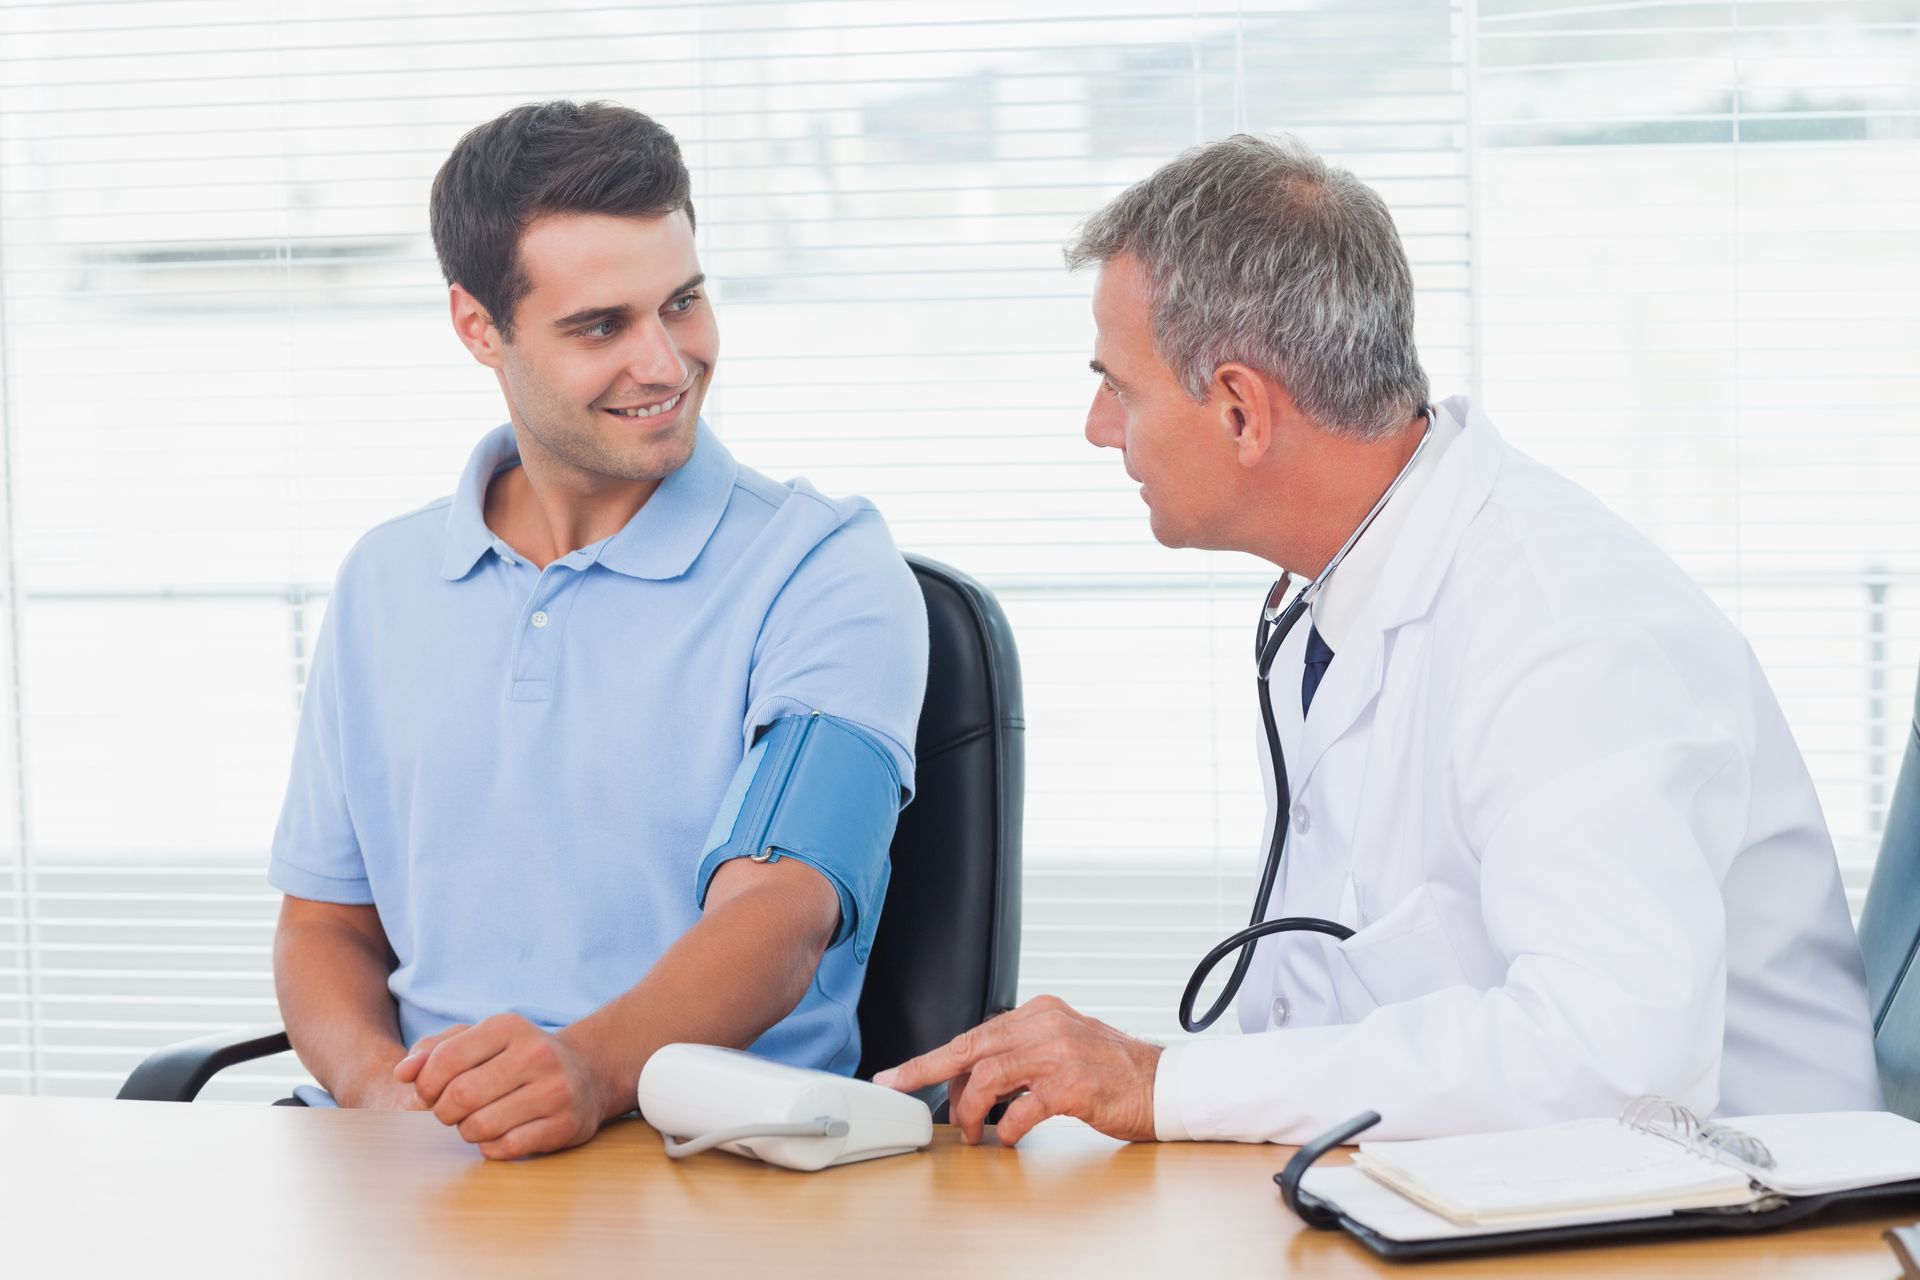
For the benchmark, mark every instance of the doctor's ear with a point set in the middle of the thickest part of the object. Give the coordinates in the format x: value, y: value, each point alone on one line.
x: 1245, y: 403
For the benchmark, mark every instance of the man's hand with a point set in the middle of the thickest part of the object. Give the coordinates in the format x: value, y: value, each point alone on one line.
x: 509, y: 1088
x: 378, y: 1089
x: 1067, y: 1064
x: 383, y: 1093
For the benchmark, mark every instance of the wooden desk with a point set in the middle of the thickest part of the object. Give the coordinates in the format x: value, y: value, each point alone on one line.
x: 141, y: 1189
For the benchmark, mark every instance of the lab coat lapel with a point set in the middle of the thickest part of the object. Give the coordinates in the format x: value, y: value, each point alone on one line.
x: 1415, y: 569
x: 1349, y: 688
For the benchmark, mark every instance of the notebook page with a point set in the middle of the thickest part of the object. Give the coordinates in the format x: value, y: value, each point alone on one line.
x: 1834, y: 1150
x: 1374, y: 1204
x: 1581, y: 1167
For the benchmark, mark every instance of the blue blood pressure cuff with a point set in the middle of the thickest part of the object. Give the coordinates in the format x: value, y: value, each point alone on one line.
x: 825, y: 792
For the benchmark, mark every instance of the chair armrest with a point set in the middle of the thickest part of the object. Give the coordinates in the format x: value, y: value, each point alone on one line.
x: 178, y: 1072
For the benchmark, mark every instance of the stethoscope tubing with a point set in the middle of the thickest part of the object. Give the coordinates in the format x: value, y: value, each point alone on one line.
x: 1275, y: 622
x: 1267, y: 640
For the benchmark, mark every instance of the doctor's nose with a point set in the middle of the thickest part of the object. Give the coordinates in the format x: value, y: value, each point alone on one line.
x: 654, y: 360
x: 1106, y: 422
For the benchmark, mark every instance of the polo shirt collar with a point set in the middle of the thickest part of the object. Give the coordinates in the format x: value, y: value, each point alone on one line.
x: 661, y: 541
x: 668, y: 534
x: 468, y: 537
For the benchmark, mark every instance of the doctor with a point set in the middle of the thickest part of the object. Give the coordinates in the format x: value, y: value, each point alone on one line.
x: 1537, y: 774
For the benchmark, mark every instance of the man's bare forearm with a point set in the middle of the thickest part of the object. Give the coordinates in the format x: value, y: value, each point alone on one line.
x: 740, y: 969
x: 330, y: 967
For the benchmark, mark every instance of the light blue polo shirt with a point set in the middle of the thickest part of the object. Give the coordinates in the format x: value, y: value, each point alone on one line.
x: 520, y: 768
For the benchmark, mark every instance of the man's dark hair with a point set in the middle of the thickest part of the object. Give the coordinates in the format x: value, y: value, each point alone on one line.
x: 539, y: 159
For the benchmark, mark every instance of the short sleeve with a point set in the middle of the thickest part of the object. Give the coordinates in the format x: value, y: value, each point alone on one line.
x: 846, y: 636
x: 315, y: 852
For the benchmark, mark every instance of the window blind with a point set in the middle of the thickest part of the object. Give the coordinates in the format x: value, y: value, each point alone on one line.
x: 225, y: 355
x: 1694, y: 285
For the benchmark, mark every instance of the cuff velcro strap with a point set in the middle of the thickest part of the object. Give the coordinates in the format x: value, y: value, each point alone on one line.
x: 821, y: 790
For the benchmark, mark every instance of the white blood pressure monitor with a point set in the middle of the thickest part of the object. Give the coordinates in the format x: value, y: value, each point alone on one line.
x: 700, y: 1097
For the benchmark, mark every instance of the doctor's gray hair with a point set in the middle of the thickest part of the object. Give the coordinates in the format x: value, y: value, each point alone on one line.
x: 1259, y: 251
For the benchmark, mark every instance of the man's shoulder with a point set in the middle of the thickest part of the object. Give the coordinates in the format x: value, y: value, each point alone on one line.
x: 757, y: 493
x: 805, y: 555
x: 1545, y: 535
x: 1547, y: 564
x: 809, y: 523
x: 404, y: 545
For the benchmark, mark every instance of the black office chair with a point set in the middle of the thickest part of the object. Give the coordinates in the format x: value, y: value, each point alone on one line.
x: 947, y: 953
x: 1890, y: 937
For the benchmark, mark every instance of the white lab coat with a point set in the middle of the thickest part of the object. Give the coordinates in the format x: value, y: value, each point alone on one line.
x: 1547, y: 783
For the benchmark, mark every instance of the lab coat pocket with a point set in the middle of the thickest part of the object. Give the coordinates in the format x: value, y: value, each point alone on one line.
x: 1402, y: 955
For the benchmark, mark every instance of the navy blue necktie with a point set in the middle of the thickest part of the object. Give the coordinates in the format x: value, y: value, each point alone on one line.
x: 1319, y: 657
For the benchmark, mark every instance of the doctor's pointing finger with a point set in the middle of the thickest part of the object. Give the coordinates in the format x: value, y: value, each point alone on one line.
x: 1051, y: 1061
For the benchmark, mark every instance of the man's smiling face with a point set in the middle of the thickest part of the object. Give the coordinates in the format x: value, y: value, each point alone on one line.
x: 614, y: 345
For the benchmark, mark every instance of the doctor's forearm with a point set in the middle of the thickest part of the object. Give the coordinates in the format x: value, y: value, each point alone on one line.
x: 739, y: 970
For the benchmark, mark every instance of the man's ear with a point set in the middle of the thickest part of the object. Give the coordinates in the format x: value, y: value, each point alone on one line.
x: 1246, y: 406
x: 474, y: 327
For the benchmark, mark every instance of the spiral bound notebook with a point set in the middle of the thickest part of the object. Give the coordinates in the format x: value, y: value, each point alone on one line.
x: 1657, y: 1170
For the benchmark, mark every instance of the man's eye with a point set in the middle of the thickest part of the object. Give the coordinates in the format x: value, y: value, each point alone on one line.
x: 604, y: 329
x: 1106, y: 385
x: 683, y: 303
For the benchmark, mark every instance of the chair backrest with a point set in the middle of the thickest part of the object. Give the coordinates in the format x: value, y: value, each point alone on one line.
x: 1890, y: 936
x: 947, y: 953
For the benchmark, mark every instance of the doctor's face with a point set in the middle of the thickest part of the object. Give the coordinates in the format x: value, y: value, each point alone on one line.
x: 1171, y: 445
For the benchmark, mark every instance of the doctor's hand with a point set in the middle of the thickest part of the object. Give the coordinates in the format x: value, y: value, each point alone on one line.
x: 510, y: 1088
x: 1067, y: 1064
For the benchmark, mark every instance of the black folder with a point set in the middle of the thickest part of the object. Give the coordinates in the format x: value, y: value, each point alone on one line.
x: 1770, y: 1214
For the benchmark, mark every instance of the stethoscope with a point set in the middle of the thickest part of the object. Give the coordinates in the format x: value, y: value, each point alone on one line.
x: 1275, y: 622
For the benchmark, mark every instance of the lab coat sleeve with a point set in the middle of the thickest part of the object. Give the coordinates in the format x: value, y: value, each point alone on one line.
x: 1604, y: 805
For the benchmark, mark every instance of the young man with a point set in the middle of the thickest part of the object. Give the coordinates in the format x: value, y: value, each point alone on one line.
x: 603, y: 752
x: 1539, y: 786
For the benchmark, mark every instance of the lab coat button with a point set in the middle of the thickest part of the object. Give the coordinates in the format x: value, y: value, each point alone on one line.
x: 1302, y: 820
x: 1280, y: 1011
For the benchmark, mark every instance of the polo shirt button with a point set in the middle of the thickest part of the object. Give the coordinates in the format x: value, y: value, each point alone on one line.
x: 539, y: 619
x: 1302, y: 820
